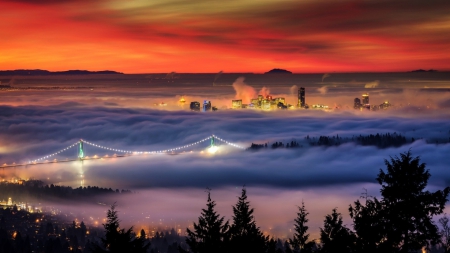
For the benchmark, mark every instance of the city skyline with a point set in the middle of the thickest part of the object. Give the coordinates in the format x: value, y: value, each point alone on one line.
x: 288, y: 119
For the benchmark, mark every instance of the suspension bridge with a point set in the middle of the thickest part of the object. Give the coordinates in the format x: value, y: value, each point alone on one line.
x: 82, y: 155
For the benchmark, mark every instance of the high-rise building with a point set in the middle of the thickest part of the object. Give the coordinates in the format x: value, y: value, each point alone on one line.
x: 255, y: 102
x: 265, y: 104
x: 385, y: 105
x: 236, y: 104
x: 301, y: 98
x: 280, y: 100
x: 195, y: 106
x: 357, y: 104
x: 206, y: 105
x: 365, y: 99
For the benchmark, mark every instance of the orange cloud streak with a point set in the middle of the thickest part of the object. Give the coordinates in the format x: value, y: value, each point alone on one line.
x: 348, y: 36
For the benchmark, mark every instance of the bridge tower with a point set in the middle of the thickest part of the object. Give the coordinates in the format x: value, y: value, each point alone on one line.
x: 80, y: 150
x: 213, y: 142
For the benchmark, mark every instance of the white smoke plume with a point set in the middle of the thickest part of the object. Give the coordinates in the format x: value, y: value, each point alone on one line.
x: 217, y: 77
x: 373, y: 84
x: 171, y: 75
x: 243, y: 91
x: 323, y: 90
x: 264, y: 91
x: 293, y: 90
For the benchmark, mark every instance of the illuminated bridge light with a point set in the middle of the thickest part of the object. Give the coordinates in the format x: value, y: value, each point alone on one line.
x: 81, y: 153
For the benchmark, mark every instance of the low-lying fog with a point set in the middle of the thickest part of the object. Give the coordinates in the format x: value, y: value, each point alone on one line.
x: 170, y: 189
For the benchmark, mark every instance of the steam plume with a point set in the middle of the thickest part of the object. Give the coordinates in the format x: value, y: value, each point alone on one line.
x: 323, y: 90
x: 264, y: 91
x: 217, y: 77
x: 243, y: 91
x: 293, y: 90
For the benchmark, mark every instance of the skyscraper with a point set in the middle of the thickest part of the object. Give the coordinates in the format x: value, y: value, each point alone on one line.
x: 195, y: 106
x: 357, y: 103
x: 301, y: 98
x: 206, y: 105
x: 365, y: 99
x: 236, y: 104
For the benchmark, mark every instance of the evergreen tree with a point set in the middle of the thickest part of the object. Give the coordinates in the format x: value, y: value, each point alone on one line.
x: 142, y: 234
x: 287, y: 247
x: 245, y: 235
x: 299, y: 241
x: 369, y: 225
x: 445, y: 233
x: 409, y: 208
x: 210, y: 234
x: 271, y: 246
x: 118, y: 240
x: 334, y: 236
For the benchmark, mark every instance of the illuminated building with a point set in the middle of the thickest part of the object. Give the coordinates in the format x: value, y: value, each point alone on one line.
x: 385, y: 105
x: 301, y: 98
x: 206, y: 105
x: 182, y: 100
x: 269, y: 97
x: 236, y: 104
x: 365, y: 99
x: 8, y: 203
x: 265, y: 104
x: 280, y: 100
x: 357, y: 103
x: 260, y: 98
x: 255, y: 102
x: 320, y: 106
x: 280, y: 105
x: 195, y: 106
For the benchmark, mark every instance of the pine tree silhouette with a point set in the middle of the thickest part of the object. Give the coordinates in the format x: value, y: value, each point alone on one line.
x: 210, y: 234
x: 409, y: 209
x: 118, y: 240
x: 369, y: 225
x: 245, y: 235
x: 445, y: 233
x: 300, y: 238
x: 334, y: 236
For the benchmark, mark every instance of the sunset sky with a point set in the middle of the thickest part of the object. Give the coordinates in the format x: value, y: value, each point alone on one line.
x: 159, y: 36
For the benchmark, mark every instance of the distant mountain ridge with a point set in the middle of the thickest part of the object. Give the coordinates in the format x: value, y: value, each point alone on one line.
x: 278, y: 71
x: 40, y: 72
x: 422, y: 70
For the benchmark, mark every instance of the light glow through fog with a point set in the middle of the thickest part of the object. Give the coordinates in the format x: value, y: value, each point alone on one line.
x: 118, y: 120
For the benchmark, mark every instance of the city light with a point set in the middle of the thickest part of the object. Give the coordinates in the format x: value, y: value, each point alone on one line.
x: 44, y: 159
x: 213, y: 149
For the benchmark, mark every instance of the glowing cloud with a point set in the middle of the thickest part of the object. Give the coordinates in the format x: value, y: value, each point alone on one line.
x: 371, y: 85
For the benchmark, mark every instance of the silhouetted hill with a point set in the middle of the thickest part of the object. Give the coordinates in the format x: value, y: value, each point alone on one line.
x: 422, y: 70
x: 278, y: 71
x: 40, y: 72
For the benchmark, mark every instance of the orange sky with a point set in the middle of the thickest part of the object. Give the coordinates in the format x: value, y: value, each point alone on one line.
x: 140, y: 36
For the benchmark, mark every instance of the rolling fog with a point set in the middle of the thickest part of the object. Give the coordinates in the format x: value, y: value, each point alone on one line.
x: 119, y: 112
